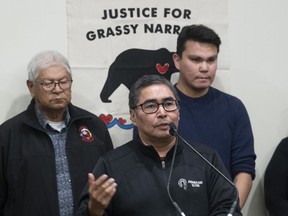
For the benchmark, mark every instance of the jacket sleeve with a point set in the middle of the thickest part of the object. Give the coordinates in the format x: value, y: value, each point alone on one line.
x: 3, y: 183
x: 109, y: 144
x: 242, y: 153
x: 222, y: 194
x: 276, y: 181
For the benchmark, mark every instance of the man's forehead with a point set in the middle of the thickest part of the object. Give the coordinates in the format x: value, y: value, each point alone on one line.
x: 156, y: 93
x: 156, y: 88
x: 54, y: 71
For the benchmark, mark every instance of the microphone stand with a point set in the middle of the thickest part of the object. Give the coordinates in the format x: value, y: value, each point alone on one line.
x: 174, y: 132
x: 169, y: 179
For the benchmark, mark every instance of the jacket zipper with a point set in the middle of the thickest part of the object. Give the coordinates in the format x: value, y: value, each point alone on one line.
x: 163, y: 164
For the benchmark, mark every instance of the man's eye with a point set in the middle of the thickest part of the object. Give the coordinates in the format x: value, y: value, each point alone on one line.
x: 169, y: 103
x: 63, y: 82
x: 150, y: 106
x: 48, y: 84
x: 195, y: 59
x: 211, y: 60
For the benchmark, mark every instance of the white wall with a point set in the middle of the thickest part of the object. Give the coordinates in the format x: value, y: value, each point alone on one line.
x: 26, y: 27
x: 258, y: 45
x: 258, y: 39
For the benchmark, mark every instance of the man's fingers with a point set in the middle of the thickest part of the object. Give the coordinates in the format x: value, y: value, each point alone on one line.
x: 97, y: 182
x: 101, y: 191
x: 91, y: 178
x: 103, y: 184
x: 106, y: 194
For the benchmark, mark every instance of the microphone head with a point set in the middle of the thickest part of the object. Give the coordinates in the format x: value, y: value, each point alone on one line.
x: 173, y: 129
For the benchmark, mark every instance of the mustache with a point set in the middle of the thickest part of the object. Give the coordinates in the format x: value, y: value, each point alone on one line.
x: 162, y: 122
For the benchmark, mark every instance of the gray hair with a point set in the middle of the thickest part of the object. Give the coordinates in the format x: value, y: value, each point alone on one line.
x: 145, y: 81
x: 44, y: 60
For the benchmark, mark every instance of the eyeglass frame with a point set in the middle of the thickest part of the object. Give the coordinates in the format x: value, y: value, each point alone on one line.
x: 55, y: 83
x: 167, y: 100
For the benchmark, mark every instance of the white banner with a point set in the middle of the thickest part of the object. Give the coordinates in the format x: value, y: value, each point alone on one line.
x: 112, y: 43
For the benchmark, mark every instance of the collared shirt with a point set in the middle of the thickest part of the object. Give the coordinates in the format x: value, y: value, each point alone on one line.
x: 58, y: 134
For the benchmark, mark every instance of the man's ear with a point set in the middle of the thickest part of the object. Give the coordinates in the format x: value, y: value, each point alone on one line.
x: 133, y: 117
x: 31, y: 87
x: 176, y: 59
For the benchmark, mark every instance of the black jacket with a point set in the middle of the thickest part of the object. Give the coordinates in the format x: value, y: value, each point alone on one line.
x: 141, y: 178
x: 276, y: 181
x: 28, y: 185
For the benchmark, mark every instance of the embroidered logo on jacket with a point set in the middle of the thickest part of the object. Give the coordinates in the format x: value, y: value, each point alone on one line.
x: 184, y: 183
x: 85, y: 134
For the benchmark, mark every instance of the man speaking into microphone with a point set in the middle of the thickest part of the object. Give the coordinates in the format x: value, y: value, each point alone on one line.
x: 156, y: 173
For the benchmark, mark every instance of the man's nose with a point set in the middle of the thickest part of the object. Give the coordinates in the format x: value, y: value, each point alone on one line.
x: 204, y: 66
x: 57, y: 87
x: 161, y: 110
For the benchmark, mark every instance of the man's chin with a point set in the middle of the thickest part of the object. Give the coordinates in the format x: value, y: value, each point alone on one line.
x: 203, y: 85
x: 164, y: 134
x: 59, y: 104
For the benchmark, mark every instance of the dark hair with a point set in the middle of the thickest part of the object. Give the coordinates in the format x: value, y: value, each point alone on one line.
x: 199, y: 33
x: 145, y: 81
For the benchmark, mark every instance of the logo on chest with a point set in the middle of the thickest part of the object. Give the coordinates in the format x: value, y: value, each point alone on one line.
x: 184, y: 183
x: 85, y: 134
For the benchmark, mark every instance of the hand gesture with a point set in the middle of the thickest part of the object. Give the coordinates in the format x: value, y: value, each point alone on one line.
x: 101, y: 192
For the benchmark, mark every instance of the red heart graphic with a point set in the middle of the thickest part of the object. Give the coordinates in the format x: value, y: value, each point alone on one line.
x: 106, y: 119
x: 162, y: 69
x: 122, y: 121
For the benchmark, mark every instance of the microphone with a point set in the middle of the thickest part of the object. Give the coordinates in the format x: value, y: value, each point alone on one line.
x: 176, y: 206
x: 174, y: 132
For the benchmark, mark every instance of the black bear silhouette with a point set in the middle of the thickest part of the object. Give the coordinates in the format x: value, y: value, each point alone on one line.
x: 132, y: 64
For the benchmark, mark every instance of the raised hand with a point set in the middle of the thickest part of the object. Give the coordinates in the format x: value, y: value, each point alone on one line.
x: 101, y: 192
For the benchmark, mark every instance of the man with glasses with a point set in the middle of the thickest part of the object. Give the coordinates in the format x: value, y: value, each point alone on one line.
x: 47, y: 150
x: 137, y: 178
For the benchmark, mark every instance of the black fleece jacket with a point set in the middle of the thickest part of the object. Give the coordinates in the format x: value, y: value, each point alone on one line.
x: 28, y: 185
x: 141, y: 178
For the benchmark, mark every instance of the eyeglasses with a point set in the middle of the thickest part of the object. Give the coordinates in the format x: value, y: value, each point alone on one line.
x: 152, y: 106
x: 49, y: 86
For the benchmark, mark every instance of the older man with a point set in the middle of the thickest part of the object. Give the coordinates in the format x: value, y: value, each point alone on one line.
x: 47, y: 150
x: 137, y: 178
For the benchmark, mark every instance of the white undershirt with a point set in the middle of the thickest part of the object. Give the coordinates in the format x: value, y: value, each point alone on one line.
x: 57, y: 125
